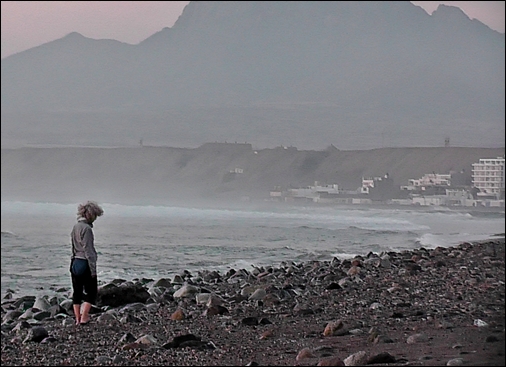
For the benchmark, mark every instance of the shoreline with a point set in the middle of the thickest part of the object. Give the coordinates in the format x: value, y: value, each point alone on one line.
x: 267, y: 203
x: 59, y: 290
x: 415, y: 307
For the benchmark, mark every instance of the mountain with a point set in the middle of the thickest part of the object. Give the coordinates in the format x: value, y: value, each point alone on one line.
x: 212, y: 173
x: 358, y: 75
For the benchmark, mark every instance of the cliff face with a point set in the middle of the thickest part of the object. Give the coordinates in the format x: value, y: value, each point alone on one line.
x: 223, y: 172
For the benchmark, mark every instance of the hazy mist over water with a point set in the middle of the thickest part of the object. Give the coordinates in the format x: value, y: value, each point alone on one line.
x: 161, y: 241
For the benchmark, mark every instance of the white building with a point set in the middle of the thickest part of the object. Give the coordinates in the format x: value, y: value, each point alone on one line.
x: 436, y: 200
x: 432, y: 179
x: 367, y: 183
x: 459, y: 197
x: 331, y: 189
x: 489, y: 176
x: 313, y: 192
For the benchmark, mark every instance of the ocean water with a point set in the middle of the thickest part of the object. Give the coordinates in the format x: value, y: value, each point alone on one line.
x: 161, y: 241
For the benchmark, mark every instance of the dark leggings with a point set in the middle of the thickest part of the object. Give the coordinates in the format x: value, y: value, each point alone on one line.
x: 85, y: 288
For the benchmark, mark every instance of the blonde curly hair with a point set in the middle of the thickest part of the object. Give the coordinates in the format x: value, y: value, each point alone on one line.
x: 89, y: 211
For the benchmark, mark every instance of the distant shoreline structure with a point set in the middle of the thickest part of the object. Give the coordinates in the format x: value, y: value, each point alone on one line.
x: 330, y: 146
x: 236, y: 173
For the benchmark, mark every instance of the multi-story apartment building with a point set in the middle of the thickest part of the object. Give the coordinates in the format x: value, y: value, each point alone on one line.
x: 489, y: 176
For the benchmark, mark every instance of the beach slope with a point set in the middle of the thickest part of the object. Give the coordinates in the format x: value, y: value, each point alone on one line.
x: 442, y: 306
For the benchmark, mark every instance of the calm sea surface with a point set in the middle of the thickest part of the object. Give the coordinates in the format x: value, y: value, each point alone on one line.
x: 161, y: 241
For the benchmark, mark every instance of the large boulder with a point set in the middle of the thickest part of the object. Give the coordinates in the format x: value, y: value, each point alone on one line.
x: 119, y: 295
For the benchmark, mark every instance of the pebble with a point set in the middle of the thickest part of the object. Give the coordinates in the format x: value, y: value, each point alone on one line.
x: 405, y: 309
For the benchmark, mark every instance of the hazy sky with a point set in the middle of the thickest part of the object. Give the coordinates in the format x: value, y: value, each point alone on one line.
x: 26, y: 24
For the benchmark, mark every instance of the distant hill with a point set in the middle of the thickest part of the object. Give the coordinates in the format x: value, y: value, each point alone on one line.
x: 213, y: 172
x: 358, y: 75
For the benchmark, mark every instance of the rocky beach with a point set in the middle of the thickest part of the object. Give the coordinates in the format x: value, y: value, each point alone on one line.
x: 441, y: 306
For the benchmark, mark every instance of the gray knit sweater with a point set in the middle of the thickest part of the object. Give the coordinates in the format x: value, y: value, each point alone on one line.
x: 83, y: 244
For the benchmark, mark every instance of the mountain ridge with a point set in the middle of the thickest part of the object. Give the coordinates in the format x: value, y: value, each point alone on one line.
x: 307, y: 74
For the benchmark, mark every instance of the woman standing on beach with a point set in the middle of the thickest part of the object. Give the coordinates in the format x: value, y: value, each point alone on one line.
x: 83, y: 265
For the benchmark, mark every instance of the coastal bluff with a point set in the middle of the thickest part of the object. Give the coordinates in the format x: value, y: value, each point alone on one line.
x: 213, y: 171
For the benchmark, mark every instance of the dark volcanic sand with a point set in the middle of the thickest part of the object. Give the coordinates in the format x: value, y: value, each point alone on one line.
x: 441, y: 295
